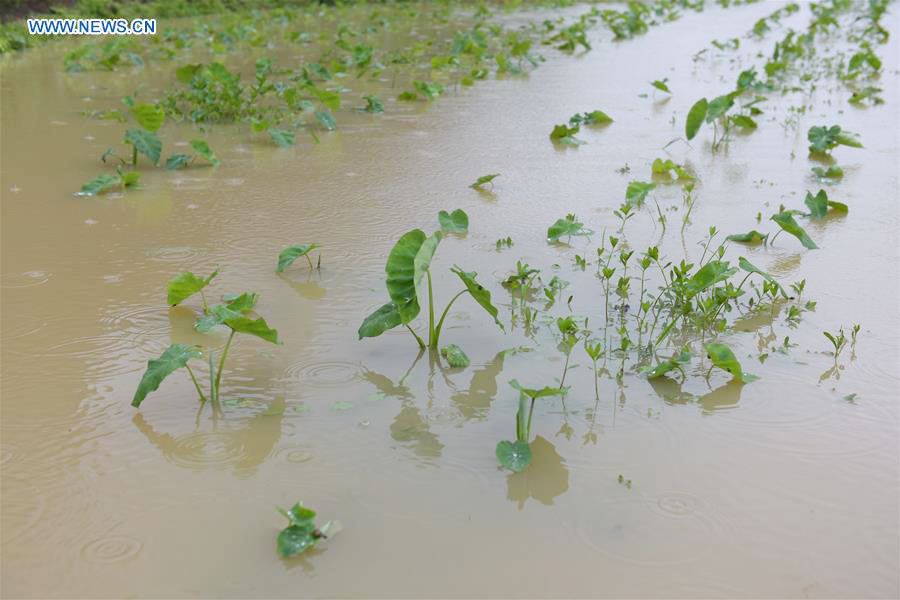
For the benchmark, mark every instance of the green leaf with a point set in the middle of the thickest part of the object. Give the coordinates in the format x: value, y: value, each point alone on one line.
x: 292, y: 253
x: 479, y: 293
x: 299, y: 515
x: 709, y: 274
x: 183, y: 286
x: 718, y: 107
x: 637, y: 192
x: 145, y: 142
x: 831, y: 173
x: 514, y: 455
x: 177, y: 161
x: 130, y: 179
x: 752, y: 237
x: 421, y: 264
x: 202, y: 148
x: 331, y: 100
x: 455, y: 222
x: 566, y: 227
x: 484, y: 179
x: 744, y: 122
x: 566, y: 135
x: 301, y: 533
x: 673, y: 363
x: 219, y: 313
x: 661, y: 85
x: 818, y: 204
x: 386, y: 317
x: 786, y: 221
x: 751, y: 268
x: 373, y: 104
x: 326, y: 119
x: 186, y: 73
x: 722, y: 357
x: 174, y: 357
x: 845, y: 138
x: 400, y: 269
x: 98, y: 184
x: 282, y: 137
x: 596, y: 117
x: 535, y: 393
x: 148, y: 116
x: 695, y: 118
x: 456, y: 358
x: 257, y: 327
x: 429, y: 89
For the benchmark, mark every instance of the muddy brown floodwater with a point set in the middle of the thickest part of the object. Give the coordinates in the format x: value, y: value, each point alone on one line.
x: 778, y: 488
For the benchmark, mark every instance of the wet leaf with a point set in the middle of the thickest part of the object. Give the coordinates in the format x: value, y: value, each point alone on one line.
x: 148, y: 116
x: 818, y: 204
x: 595, y: 117
x: 186, y: 73
x: 786, y: 221
x: 326, y: 119
x: 174, y: 357
x: 183, y: 286
x: 709, y: 274
x: 98, y: 185
x: 282, y: 137
x: 661, y: 85
x: 177, y: 161
x: 484, y: 179
x: 456, y: 358
x: 400, y: 269
x: 535, y: 393
x: 145, y: 142
x: 750, y: 268
x: 718, y: 107
x: 219, y: 313
x: 301, y: 532
x: 752, y: 237
x: 421, y: 264
x: 386, y: 317
x: 722, y: 357
x: 292, y: 253
x: 695, y: 118
x: 479, y: 293
x: 637, y: 192
x: 823, y: 139
x: 455, y: 222
x: 676, y: 362
x: 514, y: 455
x: 744, y: 122
x: 373, y: 104
x: 257, y: 327
x: 565, y: 135
x: 202, y: 148
x: 566, y: 227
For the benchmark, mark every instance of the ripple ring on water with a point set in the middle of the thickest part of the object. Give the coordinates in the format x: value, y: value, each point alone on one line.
x: 325, y: 373
x: 111, y: 549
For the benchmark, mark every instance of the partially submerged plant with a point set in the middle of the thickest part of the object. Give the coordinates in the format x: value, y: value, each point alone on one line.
x: 455, y: 356
x: 232, y: 313
x: 287, y: 256
x: 517, y: 455
x: 483, y: 180
x: 723, y: 358
x: 566, y: 228
x: 408, y: 282
x: 301, y: 532
x: 822, y: 139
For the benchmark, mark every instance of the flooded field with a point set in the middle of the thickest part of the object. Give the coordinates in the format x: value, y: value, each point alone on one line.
x: 686, y: 485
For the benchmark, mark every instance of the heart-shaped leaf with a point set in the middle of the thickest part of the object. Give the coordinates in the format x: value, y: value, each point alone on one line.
x: 174, y: 357
x: 514, y: 455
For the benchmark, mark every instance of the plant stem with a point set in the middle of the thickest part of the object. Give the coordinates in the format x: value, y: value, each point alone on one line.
x: 134, y: 155
x: 432, y: 338
x: 415, y: 335
x: 212, y: 377
x: 437, y: 331
x: 222, y: 362
x: 530, y: 411
x: 309, y: 261
x: 196, y: 385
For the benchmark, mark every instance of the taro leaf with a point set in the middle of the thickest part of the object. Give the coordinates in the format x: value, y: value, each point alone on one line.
x: 661, y: 85
x: 257, y: 327
x: 751, y: 268
x: 233, y: 308
x: 186, y: 73
x: 718, y: 107
x: 294, y: 539
x: 145, y: 142
x: 148, y: 116
x: 326, y: 119
x: 282, y: 137
x: 848, y: 139
x: 373, y: 104
x: 484, y: 179
x: 838, y: 206
x: 675, y: 362
x: 637, y: 192
x: 331, y: 100
x: 421, y: 264
x: 479, y: 293
x: 130, y: 179
x: 751, y: 237
x: 514, y: 455
x: 175, y: 357
x: 818, y: 204
x: 98, y: 184
x: 722, y: 357
x: 596, y: 117
x: 532, y: 393
x: 695, y: 118
x: 455, y: 356
x: 786, y: 221
x: 831, y: 173
x: 455, y: 222
x: 386, y: 317
x: 183, y: 286
x: 292, y: 253
x: 202, y: 148
x: 709, y: 274
x: 176, y: 161
x: 565, y: 135
x: 299, y: 515
x: 744, y: 122
x: 566, y: 227
x: 400, y: 269
x: 822, y: 139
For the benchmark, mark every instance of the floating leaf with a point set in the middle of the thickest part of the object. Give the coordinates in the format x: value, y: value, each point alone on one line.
x: 456, y: 358
x: 676, y: 362
x: 177, y: 161
x: 386, y: 317
x: 282, y: 137
x: 661, y: 85
x: 751, y: 237
x: 145, y: 142
x: 514, y: 455
x: 718, y: 107
x: 455, y: 222
x: 202, y: 148
x: 301, y: 533
x: 818, y: 204
x: 722, y: 357
x: 566, y: 135
x: 566, y: 227
x: 479, y: 293
x: 709, y: 274
x: 174, y: 357
x: 148, y: 116
x: 98, y: 185
x: 595, y: 117
x: 484, y: 179
x: 373, y: 104
x: 786, y: 221
x: 292, y: 253
x: 637, y: 192
x: 695, y: 118
x: 535, y: 393
x: 744, y: 122
x: 326, y: 119
x: 183, y: 286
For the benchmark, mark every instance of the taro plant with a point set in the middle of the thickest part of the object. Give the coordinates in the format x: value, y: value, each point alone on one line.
x: 233, y: 313
x: 104, y: 183
x: 301, y: 532
x: 823, y: 139
x: 409, y: 285
x: 287, y: 256
x: 723, y: 358
x: 517, y: 455
x: 484, y: 179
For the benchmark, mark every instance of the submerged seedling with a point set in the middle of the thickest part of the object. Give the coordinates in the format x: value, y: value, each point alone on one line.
x: 483, y: 180
x: 566, y: 227
x: 723, y: 358
x: 301, y: 532
x: 822, y: 139
x: 455, y: 357
x: 517, y: 455
x: 292, y: 253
